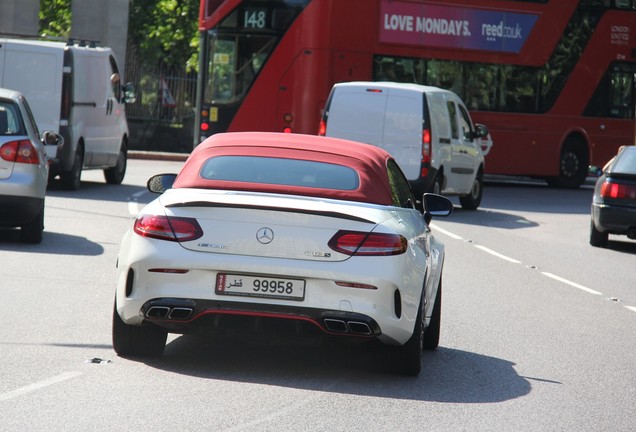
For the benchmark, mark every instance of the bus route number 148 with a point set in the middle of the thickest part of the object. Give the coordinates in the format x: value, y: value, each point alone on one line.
x: 255, y: 18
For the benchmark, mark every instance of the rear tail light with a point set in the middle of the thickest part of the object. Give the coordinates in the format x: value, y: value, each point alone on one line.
x: 19, y: 152
x: 368, y: 244
x: 322, y: 129
x: 172, y: 229
x: 427, y: 151
x: 618, y: 191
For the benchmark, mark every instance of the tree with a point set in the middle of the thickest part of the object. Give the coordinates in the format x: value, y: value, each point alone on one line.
x: 55, y: 18
x: 165, y: 31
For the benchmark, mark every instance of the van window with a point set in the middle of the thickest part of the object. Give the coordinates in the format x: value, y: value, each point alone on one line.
x: 465, y: 124
x: 452, y: 112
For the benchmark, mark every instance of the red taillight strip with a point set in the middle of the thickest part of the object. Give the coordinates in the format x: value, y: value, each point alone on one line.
x: 177, y: 229
x: 356, y: 285
x: 613, y: 190
x: 368, y: 244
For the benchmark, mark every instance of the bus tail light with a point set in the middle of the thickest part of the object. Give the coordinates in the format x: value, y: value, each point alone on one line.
x: 368, y: 244
x: 19, y: 152
x: 427, y: 152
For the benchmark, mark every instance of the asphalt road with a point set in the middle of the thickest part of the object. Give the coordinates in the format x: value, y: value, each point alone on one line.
x: 537, y: 333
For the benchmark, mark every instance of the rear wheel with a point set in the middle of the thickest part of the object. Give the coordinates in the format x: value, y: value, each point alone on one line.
x: 137, y: 341
x: 115, y: 175
x: 431, y: 334
x: 473, y: 199
x: 32, y: 232
x: 573, y: 165
x: 598, y: 238
x: 72, y: 179
x: 409, y: 355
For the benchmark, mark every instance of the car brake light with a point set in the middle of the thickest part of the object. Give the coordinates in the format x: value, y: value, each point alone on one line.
x: 177, y: 229
x: 368, y: 244
x: 19, y: 152
x: 618, y: 191
x: 322, y: 129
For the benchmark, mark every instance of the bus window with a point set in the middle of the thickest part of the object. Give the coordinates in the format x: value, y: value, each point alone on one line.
x: 614, y: 97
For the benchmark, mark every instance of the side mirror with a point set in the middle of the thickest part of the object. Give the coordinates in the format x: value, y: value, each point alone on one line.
x: 52, y: 139
x: 160, y: 183
x: 435, y: 205
x: 129, y: 93
x: 52, y: 143
x: 481, y: 131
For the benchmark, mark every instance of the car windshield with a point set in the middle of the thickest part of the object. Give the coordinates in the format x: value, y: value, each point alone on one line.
x: 280, y: 171
x: 10, y: 123
x: 626, y: 161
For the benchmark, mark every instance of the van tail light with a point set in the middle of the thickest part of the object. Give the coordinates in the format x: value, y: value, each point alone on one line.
x: 618, y: 191
x: 322, y: 129
x: 19, y: 152
x: 177, y: 229
x: 368, y: 244
x: 427, y: 152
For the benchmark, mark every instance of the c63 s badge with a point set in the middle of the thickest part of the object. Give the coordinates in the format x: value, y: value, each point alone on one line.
x: 317, y: 254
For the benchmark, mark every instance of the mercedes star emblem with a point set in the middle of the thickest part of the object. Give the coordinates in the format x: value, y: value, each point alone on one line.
x: 265, y: 235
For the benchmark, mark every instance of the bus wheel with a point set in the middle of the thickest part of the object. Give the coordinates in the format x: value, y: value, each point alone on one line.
x: 573, y: 165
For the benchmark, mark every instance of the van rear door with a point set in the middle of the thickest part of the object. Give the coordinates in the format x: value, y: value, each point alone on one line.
x: 356, y: 113
x: 403, y: 125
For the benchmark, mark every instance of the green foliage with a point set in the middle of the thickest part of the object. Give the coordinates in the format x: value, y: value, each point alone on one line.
x: 55, y: 18
x: 165, y: 31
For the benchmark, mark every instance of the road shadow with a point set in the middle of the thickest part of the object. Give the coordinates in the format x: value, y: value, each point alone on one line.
x: 448, y: 375
x: 52, y: 243
x: 488, y: 218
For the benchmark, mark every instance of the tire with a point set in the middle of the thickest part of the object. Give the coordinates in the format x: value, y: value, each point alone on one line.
x: 32, y: 232
x: 573, y: 165
x: 115, y: 175
x: 71, y: 180
x: 436, y: 187
x: 137, y: 341
x: 431, y: 334
x: 597, y: 238
x: 409, y: 355
x: 473, y: 199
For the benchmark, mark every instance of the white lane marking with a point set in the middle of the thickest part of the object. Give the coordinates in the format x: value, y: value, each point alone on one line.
x: 133, y: 204
x: 448, y: 233
x: 38, y: 385
x: 572, y: 284
x: 497, y: 254
x: 631, y: 308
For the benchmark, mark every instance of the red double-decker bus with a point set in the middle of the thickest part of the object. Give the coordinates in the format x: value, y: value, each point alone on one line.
x: 552, y: 79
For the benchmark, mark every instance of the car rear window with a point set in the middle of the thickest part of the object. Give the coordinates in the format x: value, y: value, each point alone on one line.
x: 280, y: 171
x: 626, y: 162
x: 10, y: 123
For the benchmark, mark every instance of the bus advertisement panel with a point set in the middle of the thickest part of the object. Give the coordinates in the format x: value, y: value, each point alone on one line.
x: 552, y: 79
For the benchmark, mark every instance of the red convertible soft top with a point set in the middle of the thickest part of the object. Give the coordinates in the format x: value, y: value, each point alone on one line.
x: 368, y: 161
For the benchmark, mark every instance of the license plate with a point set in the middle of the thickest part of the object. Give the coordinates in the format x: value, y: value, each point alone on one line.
x: 260, y: 286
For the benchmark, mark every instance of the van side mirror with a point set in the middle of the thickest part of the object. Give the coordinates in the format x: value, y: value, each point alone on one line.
x: 52, y: 139
x: 160, y: 183
x: 481, y: 131
x: 129, y: 93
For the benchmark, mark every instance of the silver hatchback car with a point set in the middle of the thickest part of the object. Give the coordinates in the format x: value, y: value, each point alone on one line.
x: 24, y: 167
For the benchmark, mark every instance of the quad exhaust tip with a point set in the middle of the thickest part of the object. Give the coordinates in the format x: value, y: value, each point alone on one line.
x: 344, y: 326
x: 171, y: 313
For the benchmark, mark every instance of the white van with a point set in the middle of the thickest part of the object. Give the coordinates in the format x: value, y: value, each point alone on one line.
x: 74, y: 90
x: 427, y: 130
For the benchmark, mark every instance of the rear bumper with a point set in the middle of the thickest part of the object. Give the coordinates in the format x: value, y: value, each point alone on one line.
x: 614, y: 219
x: 196, y: 315
x: 17, y: 210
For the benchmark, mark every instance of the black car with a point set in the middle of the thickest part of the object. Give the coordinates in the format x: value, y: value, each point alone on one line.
x: 614, y: 201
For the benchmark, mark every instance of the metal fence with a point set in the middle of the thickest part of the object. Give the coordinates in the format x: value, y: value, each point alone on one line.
x: 163, y: 96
